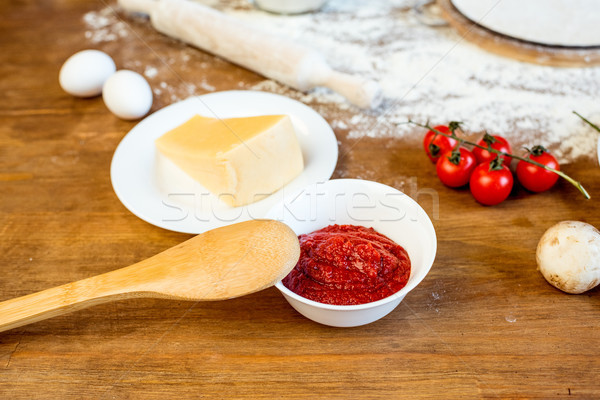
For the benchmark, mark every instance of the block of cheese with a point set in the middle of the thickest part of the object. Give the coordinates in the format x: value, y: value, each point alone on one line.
x: 240, y: 160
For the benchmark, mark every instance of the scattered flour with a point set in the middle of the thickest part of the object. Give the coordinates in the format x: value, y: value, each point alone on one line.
x: 104, y: 26
x: 427, y: 74
x: 510, y: 318
x: 150, y: 72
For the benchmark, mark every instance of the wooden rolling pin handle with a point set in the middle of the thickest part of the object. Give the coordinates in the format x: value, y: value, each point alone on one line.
x: 359, y: 91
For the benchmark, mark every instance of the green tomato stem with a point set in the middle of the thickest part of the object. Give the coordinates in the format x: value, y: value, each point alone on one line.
x: 586, y: 121
x: 501, y: 153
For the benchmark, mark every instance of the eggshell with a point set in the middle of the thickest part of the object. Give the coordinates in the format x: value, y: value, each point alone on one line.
x: 127, y: 94
x: 84, y: 73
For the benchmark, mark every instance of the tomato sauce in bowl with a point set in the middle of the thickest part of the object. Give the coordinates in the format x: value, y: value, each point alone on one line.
x: 348, y: 265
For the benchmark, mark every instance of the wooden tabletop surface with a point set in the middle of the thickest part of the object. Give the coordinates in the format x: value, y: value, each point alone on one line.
x: 483, y: 324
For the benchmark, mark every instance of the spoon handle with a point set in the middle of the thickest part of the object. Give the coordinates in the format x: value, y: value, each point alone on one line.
x: 63, y: 299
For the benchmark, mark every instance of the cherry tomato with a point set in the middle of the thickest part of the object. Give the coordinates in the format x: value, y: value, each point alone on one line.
x: 497, y: 143
x: 534, y: 178
x: 491, y: 182
x: 454, y: 167
x: 435, y: 146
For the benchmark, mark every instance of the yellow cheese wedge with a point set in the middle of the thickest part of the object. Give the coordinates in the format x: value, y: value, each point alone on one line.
x: 241, y: 160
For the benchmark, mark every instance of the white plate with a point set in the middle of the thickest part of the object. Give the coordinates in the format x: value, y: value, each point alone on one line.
x: 571, y: 23
x: 136, y: 181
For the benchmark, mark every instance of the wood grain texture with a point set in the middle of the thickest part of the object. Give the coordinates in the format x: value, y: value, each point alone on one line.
x: 521, y: 50
x: 483, y: 324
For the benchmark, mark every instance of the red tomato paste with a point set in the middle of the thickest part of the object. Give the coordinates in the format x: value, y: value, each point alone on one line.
x: 347, y: 264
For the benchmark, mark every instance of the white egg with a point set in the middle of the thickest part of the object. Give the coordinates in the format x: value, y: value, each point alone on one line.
x: 84, y: 73
x: 127, y: 94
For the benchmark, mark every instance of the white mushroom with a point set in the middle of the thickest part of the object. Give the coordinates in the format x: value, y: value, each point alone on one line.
x: 568, y: 255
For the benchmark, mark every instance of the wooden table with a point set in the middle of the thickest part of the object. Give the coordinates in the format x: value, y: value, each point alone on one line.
x: 483, y: 324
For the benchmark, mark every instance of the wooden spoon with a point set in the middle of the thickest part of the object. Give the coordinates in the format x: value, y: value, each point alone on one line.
x: 220, y: 264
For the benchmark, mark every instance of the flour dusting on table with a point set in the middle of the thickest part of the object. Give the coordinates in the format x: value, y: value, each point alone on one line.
x: 427, y: 74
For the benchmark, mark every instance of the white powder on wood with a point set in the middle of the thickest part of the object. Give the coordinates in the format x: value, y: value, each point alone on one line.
x: 427, y: 74
x: 150, y: 72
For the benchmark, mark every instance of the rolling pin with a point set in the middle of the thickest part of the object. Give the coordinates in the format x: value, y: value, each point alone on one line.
x: 274, y: 57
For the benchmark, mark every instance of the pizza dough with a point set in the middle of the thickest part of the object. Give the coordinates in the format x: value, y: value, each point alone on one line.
x: 572, y: 23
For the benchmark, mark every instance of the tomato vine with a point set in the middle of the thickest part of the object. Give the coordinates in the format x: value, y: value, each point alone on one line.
x: 454, y: 126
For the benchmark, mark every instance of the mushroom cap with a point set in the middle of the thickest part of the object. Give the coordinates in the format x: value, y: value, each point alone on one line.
x: 568, y: 256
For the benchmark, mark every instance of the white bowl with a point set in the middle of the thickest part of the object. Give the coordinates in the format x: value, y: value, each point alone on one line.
x: 370, y: 204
